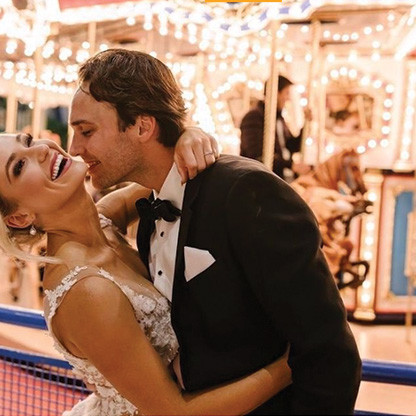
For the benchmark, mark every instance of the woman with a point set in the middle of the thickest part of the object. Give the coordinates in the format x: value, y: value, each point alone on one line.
x: 104, y: 315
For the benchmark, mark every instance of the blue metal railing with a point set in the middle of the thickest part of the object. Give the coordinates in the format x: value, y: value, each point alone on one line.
x: 389, y: 372
x: 29, y: 318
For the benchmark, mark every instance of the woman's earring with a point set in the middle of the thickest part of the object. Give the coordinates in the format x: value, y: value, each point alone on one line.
x: 32, y: 230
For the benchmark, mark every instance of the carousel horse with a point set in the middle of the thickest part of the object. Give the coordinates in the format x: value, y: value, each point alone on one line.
x: 335, y: 190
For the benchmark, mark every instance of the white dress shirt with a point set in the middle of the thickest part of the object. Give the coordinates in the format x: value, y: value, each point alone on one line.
x: 164, y: 240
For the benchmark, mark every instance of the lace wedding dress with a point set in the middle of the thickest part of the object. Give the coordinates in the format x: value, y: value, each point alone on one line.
x: 152, y: 313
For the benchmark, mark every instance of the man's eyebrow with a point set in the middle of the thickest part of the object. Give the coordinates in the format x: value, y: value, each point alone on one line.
x: 12, y: 157
x: 78, y: 122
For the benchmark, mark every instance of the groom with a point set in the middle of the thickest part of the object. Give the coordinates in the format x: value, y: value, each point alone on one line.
x: 248, y: 277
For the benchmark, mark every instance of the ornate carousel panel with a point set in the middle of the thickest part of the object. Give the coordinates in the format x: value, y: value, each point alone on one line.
x: 389, y: 298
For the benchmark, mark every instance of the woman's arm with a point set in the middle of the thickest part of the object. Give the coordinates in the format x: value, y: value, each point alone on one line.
x: 114, y: 342
x: 119, y: 205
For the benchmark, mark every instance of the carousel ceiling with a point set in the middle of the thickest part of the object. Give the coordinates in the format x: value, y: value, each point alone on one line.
x: 59, y: 34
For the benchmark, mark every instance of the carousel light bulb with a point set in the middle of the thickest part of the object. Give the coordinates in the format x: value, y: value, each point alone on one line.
x: 370, y: 226
x: 384, y: 143
x: 366, y: 298
x: 375, y: 56
x: 404, y: 155
x: 361, y: 149
x: 366, y: 284
x: 331, y: 57
x: 330, y: 148
x: 131, y: 21
x: 368, y: 255
x: 369, y: 241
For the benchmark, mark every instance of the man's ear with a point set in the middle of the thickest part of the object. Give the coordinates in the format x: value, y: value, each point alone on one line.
x: 146, y: 127
x: 19, y: 220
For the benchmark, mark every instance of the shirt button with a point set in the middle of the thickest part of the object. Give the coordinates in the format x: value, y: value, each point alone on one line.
x: 162, y: 233
x: 160, y: 272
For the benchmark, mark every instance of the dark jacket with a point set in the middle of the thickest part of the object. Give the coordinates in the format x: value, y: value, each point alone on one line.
x: 269, y: 285
x: 252, y: 127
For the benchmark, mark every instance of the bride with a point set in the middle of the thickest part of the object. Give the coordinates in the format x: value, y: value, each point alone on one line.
x: 105, y: 317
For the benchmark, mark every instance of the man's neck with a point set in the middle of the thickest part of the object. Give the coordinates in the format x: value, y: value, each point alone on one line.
x: 157, y: 169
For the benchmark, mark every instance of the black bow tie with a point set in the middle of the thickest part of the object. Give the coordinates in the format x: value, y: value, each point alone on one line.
x: 156, y: 210
x: 150, y: 211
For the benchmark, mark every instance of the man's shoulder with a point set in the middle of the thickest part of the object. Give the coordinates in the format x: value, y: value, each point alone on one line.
x: 229, y: 168
x: 237, y: 164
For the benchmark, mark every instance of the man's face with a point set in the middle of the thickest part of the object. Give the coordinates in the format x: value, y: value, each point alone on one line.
x: 111, y: 154
x: 282, y: 97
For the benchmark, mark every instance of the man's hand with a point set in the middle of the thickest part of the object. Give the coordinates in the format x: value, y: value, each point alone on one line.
x: 194, y: 152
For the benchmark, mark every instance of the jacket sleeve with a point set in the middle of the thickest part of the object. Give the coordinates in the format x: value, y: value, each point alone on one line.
x: 277, y: 242
x: 252, y: 135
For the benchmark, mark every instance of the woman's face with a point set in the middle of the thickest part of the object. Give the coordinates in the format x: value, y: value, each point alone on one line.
x: 37, y: 175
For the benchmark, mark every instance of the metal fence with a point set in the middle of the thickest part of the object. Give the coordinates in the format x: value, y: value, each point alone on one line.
x: 33, y: 384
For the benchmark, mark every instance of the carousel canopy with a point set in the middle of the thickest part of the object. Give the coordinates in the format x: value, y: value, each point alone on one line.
x: 232, y: 36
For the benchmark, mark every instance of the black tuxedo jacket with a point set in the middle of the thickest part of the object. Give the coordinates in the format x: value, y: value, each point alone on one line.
x: 269, y: 285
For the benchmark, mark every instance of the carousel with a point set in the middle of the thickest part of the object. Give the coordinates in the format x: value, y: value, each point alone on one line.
x: 355, y: 58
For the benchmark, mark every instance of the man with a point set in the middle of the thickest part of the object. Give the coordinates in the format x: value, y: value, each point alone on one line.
x: 286, y: 144
x: 242, y: 264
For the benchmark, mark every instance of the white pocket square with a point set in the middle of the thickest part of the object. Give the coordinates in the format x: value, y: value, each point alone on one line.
x: 196, y: 261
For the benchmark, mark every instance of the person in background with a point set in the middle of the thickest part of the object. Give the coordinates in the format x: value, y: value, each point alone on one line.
x: 286, y: 144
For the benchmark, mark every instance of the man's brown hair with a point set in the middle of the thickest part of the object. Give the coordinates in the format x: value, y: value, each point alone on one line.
x: 136, y: 83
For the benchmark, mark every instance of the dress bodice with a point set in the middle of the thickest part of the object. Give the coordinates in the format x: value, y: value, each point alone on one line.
x: 153, y: 314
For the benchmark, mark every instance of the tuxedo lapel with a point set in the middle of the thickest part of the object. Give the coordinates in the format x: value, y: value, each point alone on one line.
x: 191, y: 192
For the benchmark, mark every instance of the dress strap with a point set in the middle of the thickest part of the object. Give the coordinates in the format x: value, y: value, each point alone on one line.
x: 54, y: 297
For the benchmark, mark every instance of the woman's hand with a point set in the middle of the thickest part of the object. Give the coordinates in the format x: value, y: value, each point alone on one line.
x: 194, y: 152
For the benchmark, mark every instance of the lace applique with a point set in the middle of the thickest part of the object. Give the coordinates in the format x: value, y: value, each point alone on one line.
x: 153, y: 314
x: 66, y: 283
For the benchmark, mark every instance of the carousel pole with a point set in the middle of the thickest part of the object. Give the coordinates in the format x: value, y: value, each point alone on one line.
x: 36, y: 115
x: 92, y: 35
x: 308, y: 129
x: 313, y: 99
x: 11, y: 109
x: 269, y: 133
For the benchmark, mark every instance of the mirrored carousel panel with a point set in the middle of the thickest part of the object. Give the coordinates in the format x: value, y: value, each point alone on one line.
x: 356, y: 109
x: 388, y: 242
